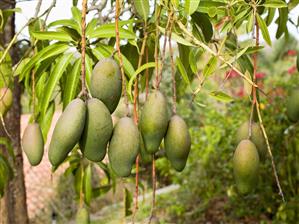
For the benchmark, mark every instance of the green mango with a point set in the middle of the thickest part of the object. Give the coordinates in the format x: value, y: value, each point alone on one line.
x: 124, y: 147
x: 106, y: 83
x: 6, y: 99
x: 293, y: 105
x: 256, y: 137
x: 154, y: 121
x: 246, y: 166
x: 67, y: 131
x: 97, y: 131
x: 82, y: 216
x: 33, y: 143
x: 177, y: 142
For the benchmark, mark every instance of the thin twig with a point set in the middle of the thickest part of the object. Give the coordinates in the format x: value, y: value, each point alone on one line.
x: 158, y: 12
x: 117, y: 13
x: 37, y: 8
x: 154, y: 189
x: 83, y: 49
x: 5, y: 129
x: 172, y: 71
x: 255, y: 101
x: 208, y: 49
x: 146, y: 74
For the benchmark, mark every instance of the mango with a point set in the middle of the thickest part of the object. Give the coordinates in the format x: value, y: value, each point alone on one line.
x: 6, y: 99
x: 154, y: 121
x: 82, y: 216
x: 106, y: 83
x: 293, y: 105
x: 177, y: 142
x: 33, y: 143
x: 124, y: 146
x: 67, y: 131
x: 246, y: 166
x: 97, y: 131
x: 256, y: 137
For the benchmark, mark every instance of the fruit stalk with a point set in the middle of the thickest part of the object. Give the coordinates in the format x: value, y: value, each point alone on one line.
x: 256, y: 103
x: 83, y: 48
x: 172, y: 68
x: 117, y: 13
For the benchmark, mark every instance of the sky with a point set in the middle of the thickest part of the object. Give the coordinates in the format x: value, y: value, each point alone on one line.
x: 62, y: 11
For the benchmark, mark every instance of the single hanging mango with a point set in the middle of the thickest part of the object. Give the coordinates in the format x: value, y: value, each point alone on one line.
x: 177, y: 142
x: 154, y: 121
x: 33, y: 143
x: 106, y: 83
x: 67, y: 131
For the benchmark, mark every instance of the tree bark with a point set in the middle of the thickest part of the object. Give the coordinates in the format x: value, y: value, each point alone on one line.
x: 13, y: 208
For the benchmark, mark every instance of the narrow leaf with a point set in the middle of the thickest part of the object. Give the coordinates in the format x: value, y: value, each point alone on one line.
x: 210, y: 68
x: 275, y: 4
x: 191, y: 6
x: 264, y: 29
x: 52, y: 35
x: 107, y: 31
x: 142, y: 7
x: 221, y: 96
x: 182, y: 70
x: 72, y: 82
x: 56, y: 74
x: 87, y: 185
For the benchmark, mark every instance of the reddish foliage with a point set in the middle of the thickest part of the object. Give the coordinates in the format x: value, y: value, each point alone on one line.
x: 292, y: 53
x: 260, y: 75
x: 231, y: 74
x: 292, y: 70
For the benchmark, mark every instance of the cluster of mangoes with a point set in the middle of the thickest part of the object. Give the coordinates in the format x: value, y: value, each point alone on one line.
x: 248, y: 154
x: 90, y: 125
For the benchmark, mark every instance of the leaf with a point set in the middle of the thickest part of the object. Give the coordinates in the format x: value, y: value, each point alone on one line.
x: 87, y: 185
x: 72, y: 82
x: 247, y: 86
x: 210, y: 68
x: 221, y: 96
x: 191, y: 6
x: 76, y: 15
x: 128, y: 202
x: 45, y: 53
x: 8, y: 146
x: 275, y: 4
x: 6, y: 173
x: 46, y: 120
x: 137, y: 72
x: 264, y: 29
x: 203, y: 22
x: 52, y: 35
x: 55, y: 75
x: 107, y: 31
x: 250, y: 22
x: 270, y: 16
x: 66, y: 22
x: 74, y: 34
x: 91, y: 26
x: 88, y: 66
x: 177, y: 38
x: 236, y: 57
x: 282, y: 22
x: 142, y: 7
x: 182, y: 70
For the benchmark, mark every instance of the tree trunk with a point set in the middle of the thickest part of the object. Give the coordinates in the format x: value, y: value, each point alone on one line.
x: 13, y: 204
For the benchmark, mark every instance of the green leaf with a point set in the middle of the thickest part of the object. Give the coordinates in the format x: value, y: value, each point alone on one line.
x: 282, y: 22
x: 128, y: 202
x: 247, y: 86
x: 221, y: 96
x: 88, y: 66
x: 275, y: 4
x: 210, y: 68
x: 191, y: 6
x: 55, y: 75
x: 66, y: 22
x: 46, y: 120
x: 87, y: 185
x: 250, y: 22
x: 264, y: 29
x: 77, y: 15
x: 177, y: 38
x: 270, y: 16
x: 142, y: 7
x: 203, y: 23
x: 72, y: 82
x: 45, y: 53
x: 137, y: 72
x: 91, y: 27
x: 236, y: 57
x: 6, y: 173
x: 182, y: 70
x: 52, y: 35
x: 107, y: 31
x: 71, y: 32
x: 7, y: 143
